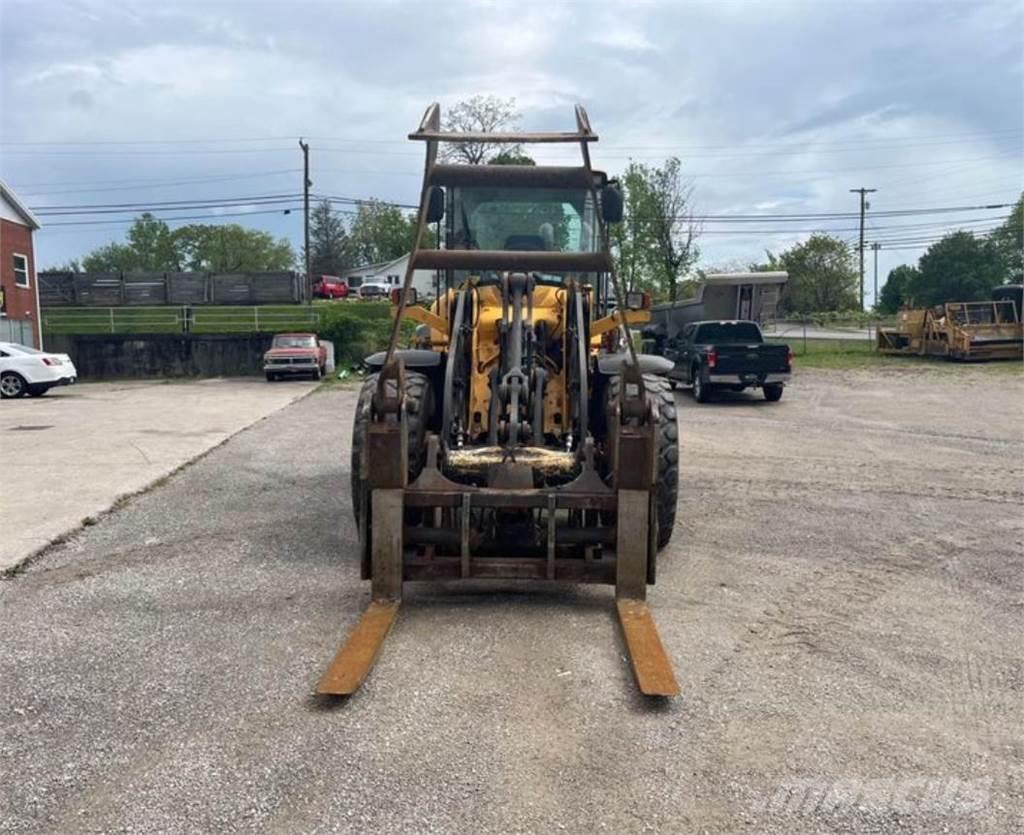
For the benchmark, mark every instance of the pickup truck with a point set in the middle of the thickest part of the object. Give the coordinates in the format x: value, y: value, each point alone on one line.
x: 291, y: 354
x: 729, y: 354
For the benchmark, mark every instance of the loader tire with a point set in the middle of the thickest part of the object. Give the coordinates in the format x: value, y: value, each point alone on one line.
x: 418, y: 406
x: 666, y: 496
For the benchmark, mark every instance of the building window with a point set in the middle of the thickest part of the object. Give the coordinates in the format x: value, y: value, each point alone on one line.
x: 392, y: 279
x: 20, y: 270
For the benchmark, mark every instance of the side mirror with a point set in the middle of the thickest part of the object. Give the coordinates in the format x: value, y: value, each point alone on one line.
x: 611, y: 204
x: 435, y: 204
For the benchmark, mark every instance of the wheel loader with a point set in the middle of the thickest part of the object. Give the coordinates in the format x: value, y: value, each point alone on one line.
x: 521, y: 437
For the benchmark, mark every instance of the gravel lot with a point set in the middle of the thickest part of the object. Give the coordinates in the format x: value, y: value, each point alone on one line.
x: 843, y: 599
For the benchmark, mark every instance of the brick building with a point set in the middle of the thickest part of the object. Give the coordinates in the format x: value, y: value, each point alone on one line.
x: 19, y: 293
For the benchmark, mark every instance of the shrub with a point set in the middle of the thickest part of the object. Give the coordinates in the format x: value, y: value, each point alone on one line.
x: 358, y: 329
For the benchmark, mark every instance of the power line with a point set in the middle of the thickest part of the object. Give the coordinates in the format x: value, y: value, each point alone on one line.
x: 27, y: 190
x: 82, y: 208
x: 278, y: 211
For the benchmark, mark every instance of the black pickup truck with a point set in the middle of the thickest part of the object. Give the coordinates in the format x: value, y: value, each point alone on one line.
x: 727, y: 355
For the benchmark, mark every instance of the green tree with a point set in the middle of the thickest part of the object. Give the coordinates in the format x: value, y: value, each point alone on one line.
x: 380, y: 233
x: 893, y: 294
x: 960, y: 267
x: 111, y: 258
x: 328, y: 242
x: 631, y: 241
x: 656, y: 243
x: 513, y: 157
x: 1008, y: 240
x: 153, y: 247
x: 150, y: 248
x: 231, y: 248
x: 822, y: 276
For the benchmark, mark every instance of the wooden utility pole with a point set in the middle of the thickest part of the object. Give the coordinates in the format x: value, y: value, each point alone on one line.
x: 863, y: 205
x: 306, y: 183
x: 875, y: 247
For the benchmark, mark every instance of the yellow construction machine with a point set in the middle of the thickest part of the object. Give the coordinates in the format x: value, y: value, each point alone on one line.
x: 522, y: 437
x: 982, y: 330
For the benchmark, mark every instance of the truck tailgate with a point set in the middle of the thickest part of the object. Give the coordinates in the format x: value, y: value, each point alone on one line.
x: 752, y: 359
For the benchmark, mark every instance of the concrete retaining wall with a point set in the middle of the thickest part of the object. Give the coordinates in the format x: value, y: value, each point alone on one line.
x: 105, y: 356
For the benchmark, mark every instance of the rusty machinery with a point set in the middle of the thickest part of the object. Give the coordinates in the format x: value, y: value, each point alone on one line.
x: 523, y: 437
x: 980, y: 330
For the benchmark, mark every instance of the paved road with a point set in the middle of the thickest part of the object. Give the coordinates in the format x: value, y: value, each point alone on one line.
x: 71, y: 454
x: 843, y: 599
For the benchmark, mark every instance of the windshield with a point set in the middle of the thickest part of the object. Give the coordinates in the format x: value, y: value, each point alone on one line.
x: 294, y: 341
x: 524, y: 219
x: 725, y: 332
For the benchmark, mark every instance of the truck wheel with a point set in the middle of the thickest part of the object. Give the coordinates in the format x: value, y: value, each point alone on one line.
x: 419, y: 399
x: 271, y: 376
x: 773, y: 392
x: 701, y: 387
x: 666, y: 497
x: 316, y: 374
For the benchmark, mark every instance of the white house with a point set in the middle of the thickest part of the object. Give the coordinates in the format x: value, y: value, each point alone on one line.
x: 393, y: 273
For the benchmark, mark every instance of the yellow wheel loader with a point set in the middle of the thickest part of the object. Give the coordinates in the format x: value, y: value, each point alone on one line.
x: 523, y: 437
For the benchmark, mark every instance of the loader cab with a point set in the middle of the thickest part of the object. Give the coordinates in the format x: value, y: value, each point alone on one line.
x: 509, y: 208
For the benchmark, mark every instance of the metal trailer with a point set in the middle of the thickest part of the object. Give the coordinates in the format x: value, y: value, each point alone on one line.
x: 749, y: 296
x: 543, y: 456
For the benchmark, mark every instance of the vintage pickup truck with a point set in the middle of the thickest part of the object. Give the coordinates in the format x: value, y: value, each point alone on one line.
x: 295, y: 353
x: 729, y: 354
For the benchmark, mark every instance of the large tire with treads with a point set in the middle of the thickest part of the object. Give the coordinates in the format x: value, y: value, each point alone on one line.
x: 418, y: 406
x: 659, y: 393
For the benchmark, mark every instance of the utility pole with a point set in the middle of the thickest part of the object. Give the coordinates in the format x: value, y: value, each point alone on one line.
x: 863, y: 206
x: 876, y: 246
x: 306, y: 183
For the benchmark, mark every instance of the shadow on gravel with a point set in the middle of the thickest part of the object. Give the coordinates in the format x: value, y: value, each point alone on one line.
x: 726, y: 398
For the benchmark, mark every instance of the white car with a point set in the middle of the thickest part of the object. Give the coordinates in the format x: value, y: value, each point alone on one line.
x: 26, y: 370
x: 374, y: 289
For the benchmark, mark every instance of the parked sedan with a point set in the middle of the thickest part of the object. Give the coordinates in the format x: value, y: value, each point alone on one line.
x: 25, y: 370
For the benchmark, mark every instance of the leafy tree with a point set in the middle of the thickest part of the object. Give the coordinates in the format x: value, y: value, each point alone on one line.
x: 1008, y: 240
x: 380, y: 233
x: 153, y: 247
x: 150, y: 248
x: 328, y: 242
x: 479, y: 114
x: 514, y: 157
x: 631, y: 242
x: 822, y: 276
x: 893, y: 294
x: 667, y: 211
x: 111, y: 258
x: 230, y: 248
x: 960, y: 267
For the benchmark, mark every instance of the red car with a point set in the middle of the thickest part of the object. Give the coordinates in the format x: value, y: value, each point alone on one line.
x: 330, y: 287
x: 295, y: 353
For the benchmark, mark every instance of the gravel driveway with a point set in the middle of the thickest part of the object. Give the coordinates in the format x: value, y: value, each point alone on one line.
x: 843, y: 599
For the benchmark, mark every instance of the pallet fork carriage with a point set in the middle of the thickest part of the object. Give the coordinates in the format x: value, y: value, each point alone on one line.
x: 424, y: 514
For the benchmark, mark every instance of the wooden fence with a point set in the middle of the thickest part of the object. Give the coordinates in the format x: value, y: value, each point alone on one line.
x: 67, y: 289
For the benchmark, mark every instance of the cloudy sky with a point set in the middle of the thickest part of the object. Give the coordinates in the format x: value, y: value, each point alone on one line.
x: 775, y: 107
